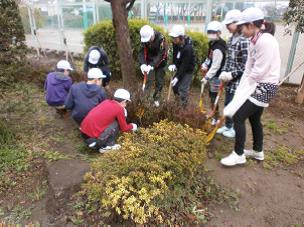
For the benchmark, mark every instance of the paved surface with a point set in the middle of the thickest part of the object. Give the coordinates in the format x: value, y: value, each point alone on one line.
x: 50, y: 38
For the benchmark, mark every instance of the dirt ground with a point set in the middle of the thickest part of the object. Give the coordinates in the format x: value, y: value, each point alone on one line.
x: 267, y: 196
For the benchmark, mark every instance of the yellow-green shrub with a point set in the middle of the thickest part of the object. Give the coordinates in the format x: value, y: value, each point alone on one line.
x: 102, y: 34
x: 148, y: 177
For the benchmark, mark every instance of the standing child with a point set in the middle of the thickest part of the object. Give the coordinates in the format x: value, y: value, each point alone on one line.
x: 57, y: 86
x: 257, y: 87
x: 214, y: 62
x: 235, y: 64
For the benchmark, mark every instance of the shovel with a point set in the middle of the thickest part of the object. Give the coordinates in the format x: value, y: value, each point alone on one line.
x: 201, y: 104
x: 170, y: 88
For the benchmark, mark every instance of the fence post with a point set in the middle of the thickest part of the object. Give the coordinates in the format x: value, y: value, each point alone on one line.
x: 292, y: 52
x: 208, y: 13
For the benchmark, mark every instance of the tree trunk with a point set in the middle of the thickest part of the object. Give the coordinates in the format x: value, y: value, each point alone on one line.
x: 120, y: 23
x: 300, y: 96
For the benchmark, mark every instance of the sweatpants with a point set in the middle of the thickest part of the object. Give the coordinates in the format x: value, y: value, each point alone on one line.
x: 107, y: 137
x: 252, y: 112
x: 156, y: 75
x: 181, y: 89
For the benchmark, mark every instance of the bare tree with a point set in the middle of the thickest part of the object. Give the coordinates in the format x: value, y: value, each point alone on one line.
x: 120, y: 9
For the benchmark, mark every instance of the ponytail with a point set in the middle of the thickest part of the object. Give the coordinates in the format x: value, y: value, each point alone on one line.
x: 265, y: 26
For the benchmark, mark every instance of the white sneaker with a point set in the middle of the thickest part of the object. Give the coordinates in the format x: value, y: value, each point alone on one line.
x: 254, y: 154
x: 214, y: 121
x: 222, y: 129
x: 233, y: 159
x: 109, y: 148
x: 230, y: 133
x: 156, y: 103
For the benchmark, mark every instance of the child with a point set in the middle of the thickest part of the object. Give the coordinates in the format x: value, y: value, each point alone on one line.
x: 235, y: 64
x: 84, y: 96
x: 101, y: 126
x: 215, y: 61
x: 257, y: 87
x: 57, y: 86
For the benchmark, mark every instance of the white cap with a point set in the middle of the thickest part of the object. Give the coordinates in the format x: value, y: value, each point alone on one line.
x: 214, y: 26
x: 177, y: 30
x: 232, y: 16
x: 63, y: 64
x: 250, y: 15
x: 94, y: 56
x: 146, y: 32
x: 95, y: 73
x: 122, y: 94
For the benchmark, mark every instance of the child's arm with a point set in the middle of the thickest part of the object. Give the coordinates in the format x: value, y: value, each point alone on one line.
x: 216, y: 63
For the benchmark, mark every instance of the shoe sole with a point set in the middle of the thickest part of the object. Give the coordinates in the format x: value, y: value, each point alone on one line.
x: 257, y: 158
x: 240, y: 163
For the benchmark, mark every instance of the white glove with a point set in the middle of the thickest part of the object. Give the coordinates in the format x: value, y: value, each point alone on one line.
x: 225, y: 76
x: 172, y: 68
x: 149, y: 68
x: 204, y: 67
x: 134, y: 127
x: 126, y: 112
x: 204, y: 81
x: 143, y: 68
x: 174, y: 82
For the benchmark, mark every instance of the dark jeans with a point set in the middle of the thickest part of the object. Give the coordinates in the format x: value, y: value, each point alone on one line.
x: 254, y: 113
x: 228, y: 99
x: 182, y: 88
x: 158, y: 74
x: 106, y: 138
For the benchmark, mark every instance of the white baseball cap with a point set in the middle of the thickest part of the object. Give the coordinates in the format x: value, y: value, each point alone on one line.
x: 214, y: 26
x: 63, y: 64
x: 94, y: 56
x: 146, y: 32
x: 250, y: 15
x: 95, y: 73
x: 177, y: 30
x: 232, y: 16
x: 122, y: 94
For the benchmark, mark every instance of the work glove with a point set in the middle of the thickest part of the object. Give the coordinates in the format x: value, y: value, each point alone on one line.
x: 149, y: 68
x: 143, y: 68
x: 174, y: 81
x: 204, y: 80
x: 204, y: 67
x: 134, y: 127
x: 172, y: 68
x: 126, y: 112
x: 225, y: 76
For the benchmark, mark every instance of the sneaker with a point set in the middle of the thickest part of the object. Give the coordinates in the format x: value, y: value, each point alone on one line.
x: 233, y: 159
x: 214, y: 121
x: 156, y: 103
x: 92, y: 145
x: 254, y: 154
x: 222, y: 129
x: 109, y: 148
x: 230, y: 133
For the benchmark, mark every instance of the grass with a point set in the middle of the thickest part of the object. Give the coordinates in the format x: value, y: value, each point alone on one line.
x: 39, y: 192
x: 18, y: 214
x: 278, y: 129
x: 54, y: 156
x: 282, y: 156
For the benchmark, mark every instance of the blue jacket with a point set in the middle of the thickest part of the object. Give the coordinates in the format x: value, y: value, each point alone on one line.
x: 82, y: 98
x: 57, y: 87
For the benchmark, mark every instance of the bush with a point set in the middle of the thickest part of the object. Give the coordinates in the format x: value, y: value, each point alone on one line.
x: 148, y: 178
x: 102, y: 34
x: 13, y: 49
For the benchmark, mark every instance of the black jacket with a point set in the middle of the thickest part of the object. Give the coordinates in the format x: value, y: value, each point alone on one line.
x: 156, y: 52
x: 220, y: 45
x: 102, y: 63
x: 184, y: 58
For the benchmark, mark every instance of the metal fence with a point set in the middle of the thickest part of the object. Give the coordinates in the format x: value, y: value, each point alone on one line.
x: 50, y: 23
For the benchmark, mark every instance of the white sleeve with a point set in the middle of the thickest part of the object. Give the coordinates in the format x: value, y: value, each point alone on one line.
x: 216, y: 63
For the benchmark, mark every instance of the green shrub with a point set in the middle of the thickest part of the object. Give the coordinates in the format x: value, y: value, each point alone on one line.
x: 13, y: 49
x: 102, y: 34
x: 149, y: 177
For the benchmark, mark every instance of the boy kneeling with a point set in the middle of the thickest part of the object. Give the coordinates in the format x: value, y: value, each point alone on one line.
x: 101, y: 126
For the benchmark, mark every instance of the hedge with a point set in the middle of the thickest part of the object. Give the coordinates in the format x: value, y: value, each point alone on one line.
x: 102, y: 34
x: 146, y: 180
